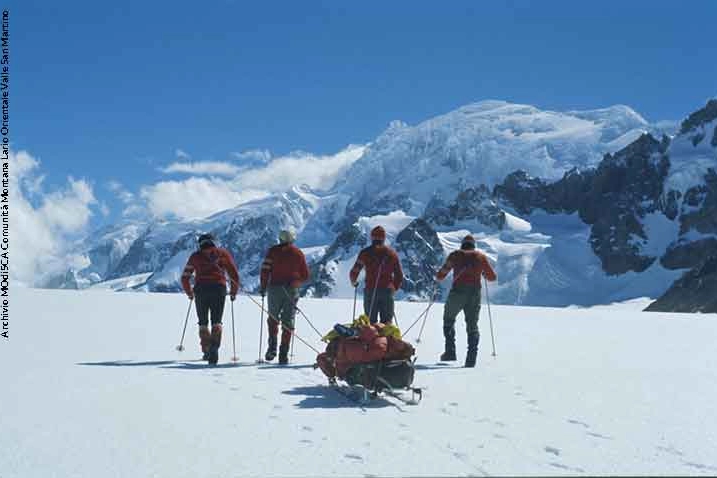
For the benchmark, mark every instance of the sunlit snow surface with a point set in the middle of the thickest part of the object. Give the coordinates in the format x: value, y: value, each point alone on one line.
x: 92, y: 386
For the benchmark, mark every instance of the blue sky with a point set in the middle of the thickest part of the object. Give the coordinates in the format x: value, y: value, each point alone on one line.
x: 115, y: 92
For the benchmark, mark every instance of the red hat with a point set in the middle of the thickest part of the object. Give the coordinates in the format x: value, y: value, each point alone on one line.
x: 378, y: 234
x: 468, y: 240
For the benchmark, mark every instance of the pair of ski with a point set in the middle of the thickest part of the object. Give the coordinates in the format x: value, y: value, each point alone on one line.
x: 363, y: 396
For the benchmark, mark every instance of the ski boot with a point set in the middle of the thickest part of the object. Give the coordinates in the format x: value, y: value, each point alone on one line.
x: 271, y: 349
x: 284, y: 354
x: 205, y: 341
x: 216, y: 340
x: 449, y: 355
x: 450, y: 350
x: 472, y: 354
x: 284, y: 348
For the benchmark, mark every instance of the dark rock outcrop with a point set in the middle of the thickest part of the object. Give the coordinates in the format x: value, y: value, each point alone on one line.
x: 346, y: 244
x: 699, y: 207
x: 470, y: 204
x: 686, y: 255
x: 421, y: 255
x: 613, y: 199
x: 700, y: 117
x: 693, y: 292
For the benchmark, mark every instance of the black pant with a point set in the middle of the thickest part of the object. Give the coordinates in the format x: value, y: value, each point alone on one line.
x: 210, y: 297
x: 378, y: 301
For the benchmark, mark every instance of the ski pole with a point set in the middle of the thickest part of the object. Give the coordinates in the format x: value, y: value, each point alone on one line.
x: 261, y: 329
x: 291, y: 354
x: 296, y: 307
x: 278, y: 322
x: 180, y: 347
x: 490, y: 317
x: 425, y: 311
x: 420, y: 332
x: 353, y: 317
x: 234, y: 344
x: 375, y: 288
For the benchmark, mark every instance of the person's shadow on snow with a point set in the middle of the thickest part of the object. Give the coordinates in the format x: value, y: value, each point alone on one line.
x: 128, y: 363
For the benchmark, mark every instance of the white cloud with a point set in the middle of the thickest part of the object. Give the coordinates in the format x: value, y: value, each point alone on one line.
x: 202, y: 168
x: 319, y: 172
x: 122, y: 194
x: 132, y: 207
x: 182, y: 155
x: 198, y: 197
x: 193, y: 198
x: 43, y: 223
x: 253, y: 156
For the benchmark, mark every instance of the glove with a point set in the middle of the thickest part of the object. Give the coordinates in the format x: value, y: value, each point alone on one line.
x: 190, y: 296
x: 355, y: 284
x: 262, y: 292
x: 233, y: 297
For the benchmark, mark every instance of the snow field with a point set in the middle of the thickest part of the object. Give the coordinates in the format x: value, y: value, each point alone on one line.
x: 92, y: 386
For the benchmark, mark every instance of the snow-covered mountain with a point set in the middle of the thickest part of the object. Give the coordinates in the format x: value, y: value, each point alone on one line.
x: 581, y: 207
x: 154, y: 255
x: 651, y: 207
x: 480, y: 144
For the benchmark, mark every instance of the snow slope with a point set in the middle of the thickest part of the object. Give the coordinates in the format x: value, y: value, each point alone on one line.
x: 92, y: 386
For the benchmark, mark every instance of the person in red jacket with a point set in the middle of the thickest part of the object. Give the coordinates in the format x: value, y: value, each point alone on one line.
x: 467, y: 264
x: 209, y: 265
x: 282, y: 273
x: 384, y: 277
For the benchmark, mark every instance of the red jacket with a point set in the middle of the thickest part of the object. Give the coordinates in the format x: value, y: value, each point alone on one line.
x: 284, y: 264
x: 383, y: 269
x: 467, y: 265
x: 209, y: 266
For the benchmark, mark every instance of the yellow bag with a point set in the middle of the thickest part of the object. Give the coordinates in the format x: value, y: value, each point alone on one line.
x: 360, y: 321
x: 390, y: 330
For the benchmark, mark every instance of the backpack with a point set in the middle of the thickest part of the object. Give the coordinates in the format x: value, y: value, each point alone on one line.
x: 382, y: 375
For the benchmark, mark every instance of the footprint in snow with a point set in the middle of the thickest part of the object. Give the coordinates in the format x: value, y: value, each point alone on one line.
x: 354, y: 457
x: 307, y: 429
x: 453, y: 404
x: 306, y: 442
x: 531, y: 402
x: 273, y: 417
x: 403, y: 425
x: 499, y: 423
x: 578, y: 422
x: 553, y: 450
x: 565, y: 467
x: 498, y: 435
x: 234, y: 389
x: 598, y: 435
x: 671, y: 450
x: 460, y: 455
x: 699, y: 466
x: 258, y: 397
